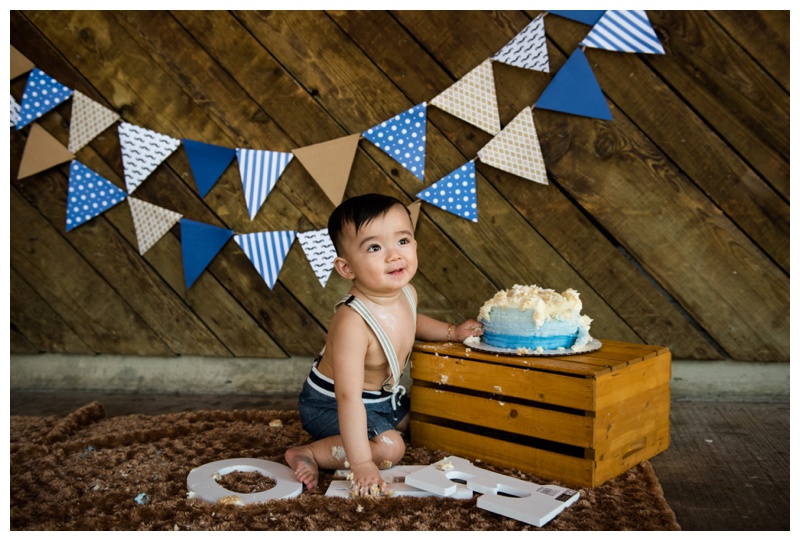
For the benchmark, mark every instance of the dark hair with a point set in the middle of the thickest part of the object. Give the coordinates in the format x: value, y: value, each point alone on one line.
x: 359, y: 211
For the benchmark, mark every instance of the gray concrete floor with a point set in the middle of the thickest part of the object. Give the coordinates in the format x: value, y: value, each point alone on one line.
x: 727, y: 467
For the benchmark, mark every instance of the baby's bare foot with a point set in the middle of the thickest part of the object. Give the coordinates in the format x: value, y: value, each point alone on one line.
x: 301, y: 460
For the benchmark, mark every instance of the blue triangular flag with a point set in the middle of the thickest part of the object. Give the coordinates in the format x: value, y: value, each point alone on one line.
x: 260, y: 170
x: 267, y: 251
x: 575, y: 90
x: 627, y: 31
x: 208, y: 162
x: 456, y: 193
x: 585, y: 16
x: 89, y: 195
x: 42, y: 93
x: 200, y: 243
x: 403, y: 138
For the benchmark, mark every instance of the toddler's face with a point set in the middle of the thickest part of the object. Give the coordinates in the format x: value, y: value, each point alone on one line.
x: 382, y: 256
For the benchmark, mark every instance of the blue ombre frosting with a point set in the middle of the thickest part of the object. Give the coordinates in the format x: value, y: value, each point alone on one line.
x: 531, y: 317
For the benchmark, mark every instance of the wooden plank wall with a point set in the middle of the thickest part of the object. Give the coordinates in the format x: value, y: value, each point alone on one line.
x: 672, y: 220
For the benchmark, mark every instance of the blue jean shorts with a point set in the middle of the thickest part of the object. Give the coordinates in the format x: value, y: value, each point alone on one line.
x: 320, y: 415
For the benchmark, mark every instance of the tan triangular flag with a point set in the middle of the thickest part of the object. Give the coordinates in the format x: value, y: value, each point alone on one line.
x: 516, y: 149
x: 413, y: 209
x: 473, y: 99
x: 89, y: 119
x: 151, y: 222
x: 330, y: 164
x: 19, y: 63
x: 42, y: 151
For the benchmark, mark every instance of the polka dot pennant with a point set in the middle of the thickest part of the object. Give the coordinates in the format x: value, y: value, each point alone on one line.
x: 403, y: 138
x: 456, y: 193
x: 42, y: 93
x: 88, y: 195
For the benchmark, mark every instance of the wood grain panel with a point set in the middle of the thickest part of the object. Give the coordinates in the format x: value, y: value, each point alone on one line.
x: 672, y: 220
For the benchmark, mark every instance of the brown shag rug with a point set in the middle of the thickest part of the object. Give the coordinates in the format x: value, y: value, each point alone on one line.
x: 86, y: 472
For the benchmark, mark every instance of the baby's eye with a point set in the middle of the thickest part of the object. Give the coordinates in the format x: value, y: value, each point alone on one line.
x: 373, y: 248
x: 404, y: 241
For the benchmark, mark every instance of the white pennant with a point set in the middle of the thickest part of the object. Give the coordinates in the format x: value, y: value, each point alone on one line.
x: 528, y: 49
x: 142, y: 151
x: 319, y: 251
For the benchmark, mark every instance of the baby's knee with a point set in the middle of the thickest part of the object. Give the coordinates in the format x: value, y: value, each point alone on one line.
x: 391, y: 444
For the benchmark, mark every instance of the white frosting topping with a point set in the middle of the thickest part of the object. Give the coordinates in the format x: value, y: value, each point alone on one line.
x: 544, y: 304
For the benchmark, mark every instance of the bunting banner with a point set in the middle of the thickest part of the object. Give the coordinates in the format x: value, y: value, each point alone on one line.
x: 207, y: 162
x: 89, y: 195
x: 528, y: 49
x: 473, y: 98
x: 143, y: 151
x: 42, y: 151
x: 516, y: 149
x: 403, y: 138
x: 89, y: 119
x: 19, y: 63
x: 456, y: 193
x: 627, y: 31
x: 575, y: 90
x: 14, y: 111
x: 200, y: 243
x: 151, y: 222
x: 42, y: 94
x: 585, y: 16
x: 320, y: 252
x: 330, y: 164
x: 260, y: 170
x: 267, y: 251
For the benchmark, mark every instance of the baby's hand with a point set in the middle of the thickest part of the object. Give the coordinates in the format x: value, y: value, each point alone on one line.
x: 366, y: 480
x: 469, y: 328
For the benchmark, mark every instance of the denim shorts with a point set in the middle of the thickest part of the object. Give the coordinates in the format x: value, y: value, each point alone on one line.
x: 320, y: 415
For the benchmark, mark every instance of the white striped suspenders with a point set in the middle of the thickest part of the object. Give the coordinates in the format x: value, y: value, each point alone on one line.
x: 394, y: 365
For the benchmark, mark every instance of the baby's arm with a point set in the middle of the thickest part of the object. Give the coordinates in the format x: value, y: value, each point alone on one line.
x: 347, y: 345
x: 433, y: 330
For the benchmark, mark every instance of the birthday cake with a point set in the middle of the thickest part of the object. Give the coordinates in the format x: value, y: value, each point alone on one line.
x: 535, y: 319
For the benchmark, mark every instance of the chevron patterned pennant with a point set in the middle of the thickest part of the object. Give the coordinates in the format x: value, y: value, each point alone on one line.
x: 319, y: 251
x: 260, y: 170
x: 528, y: 49
x: 143, y: 151
x: 267, y: 251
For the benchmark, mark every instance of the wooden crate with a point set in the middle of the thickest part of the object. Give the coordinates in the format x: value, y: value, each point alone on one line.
x: 577, y: 419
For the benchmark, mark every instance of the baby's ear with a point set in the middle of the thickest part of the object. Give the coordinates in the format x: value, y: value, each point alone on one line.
x: 343, y: 268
